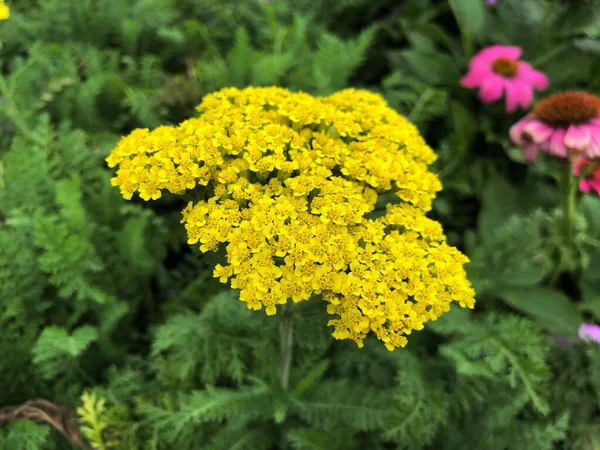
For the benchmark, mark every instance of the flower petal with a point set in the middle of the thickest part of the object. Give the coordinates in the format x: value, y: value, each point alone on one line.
x: 512, y: 96
x: 476, y: 75
x: 516, y: 131
x: 593, y: 149
x: 585, y: 186
x: 556, y: 145
x: 589, y: 332
x: 491, y: 89
x: 577, y: 138
x: 518, y: 93
x: 530, y: 152
x: 531, y: 76
x: 537, y: 132
x: 494, y: 52
x: 579, y: 164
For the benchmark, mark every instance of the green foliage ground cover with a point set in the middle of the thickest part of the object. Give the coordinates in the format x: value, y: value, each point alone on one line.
x: 104, y: 297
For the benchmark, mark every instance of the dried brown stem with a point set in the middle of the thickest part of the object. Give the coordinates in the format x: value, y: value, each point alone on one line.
x: 59, y: 417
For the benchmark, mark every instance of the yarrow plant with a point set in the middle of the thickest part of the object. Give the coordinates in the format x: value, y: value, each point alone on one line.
x: 497, y: 71
x: 292, y: 185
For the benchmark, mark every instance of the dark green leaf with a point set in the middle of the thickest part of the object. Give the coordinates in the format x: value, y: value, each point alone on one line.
x: 550, y: 309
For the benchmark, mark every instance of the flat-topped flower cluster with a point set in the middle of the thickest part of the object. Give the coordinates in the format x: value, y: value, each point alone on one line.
x: 309, y: 196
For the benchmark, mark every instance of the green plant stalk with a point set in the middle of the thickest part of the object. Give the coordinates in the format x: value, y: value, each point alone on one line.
x: 286, y: 346
x: 568, y: 200
x: 568, y: 187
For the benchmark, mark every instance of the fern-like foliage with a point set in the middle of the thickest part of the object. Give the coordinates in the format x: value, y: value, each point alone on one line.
x: 56, y: 351
x: 507, y: 348
x: 514, y: 254
x: 24, y: 435
x: 208, y: 344
x: 179, y: 420
x: 91, y: 415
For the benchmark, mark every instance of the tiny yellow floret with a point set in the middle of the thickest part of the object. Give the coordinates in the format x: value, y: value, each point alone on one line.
x: 294, y: 190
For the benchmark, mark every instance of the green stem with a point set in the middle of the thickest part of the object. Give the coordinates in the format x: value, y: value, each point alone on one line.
x: 286, y: 345
x: 568, y: 187
x: 568, y: 199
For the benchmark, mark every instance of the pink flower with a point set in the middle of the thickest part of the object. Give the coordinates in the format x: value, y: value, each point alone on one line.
x: 589, y: 332
x: 496, y: 70
x: 563, y: 125
x: 589, y: 173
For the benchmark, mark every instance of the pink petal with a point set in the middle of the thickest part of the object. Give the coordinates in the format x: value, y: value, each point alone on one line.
x: 530, y: 152
x: 490, y: 54
x: 593, y: 149
x: 517, y: 93
x: 531, y: 76
x: 595, y: 186
x: 577, y: 137
x: 556, y: 146
x: 512, y: 96
x: 491, y: 89
x: 589, y: 332
x: 476, y: 75
x: 585, y: 186
x: 537, y: 132
x: 525, y: 93
x: 516, y: 131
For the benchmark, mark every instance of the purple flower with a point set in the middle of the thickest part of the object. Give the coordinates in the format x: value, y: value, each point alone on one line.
x: 491, y: 2
x: 589, y: 332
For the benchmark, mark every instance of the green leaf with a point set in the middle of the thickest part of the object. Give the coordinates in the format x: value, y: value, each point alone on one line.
x: 240, y: 58
x: 500, y: 200
x: 433, y: 68
x: 25, y: 435
x: 550, y: 309
x: 314, y: 375
x: 590, y: 207
x: 55, y: 349
x: 587, y: 45
x: 464, y: 127
x: 508, y: 351
x: 470, y: 15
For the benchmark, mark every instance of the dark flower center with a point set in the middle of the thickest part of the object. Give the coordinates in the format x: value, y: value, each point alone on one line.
x: 569, y: 108
x: 505, y: 67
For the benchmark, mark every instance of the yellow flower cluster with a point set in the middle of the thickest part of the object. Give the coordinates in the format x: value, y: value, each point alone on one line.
x: 4, y: 11
x: 308, y: 196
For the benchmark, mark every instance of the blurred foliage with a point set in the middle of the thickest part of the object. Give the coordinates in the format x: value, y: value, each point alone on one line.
x: 103, y: 298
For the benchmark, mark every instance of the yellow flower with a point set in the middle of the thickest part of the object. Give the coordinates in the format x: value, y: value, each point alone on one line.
x: 4, y: 11
x: 309, y: 197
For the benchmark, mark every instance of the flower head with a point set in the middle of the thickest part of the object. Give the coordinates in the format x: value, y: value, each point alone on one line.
x: 4, y: 11
x: 589, y: 332
x: 497, y: 70
x: 290, y: 184
x: 588, y: 172
x: 564, y: 125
